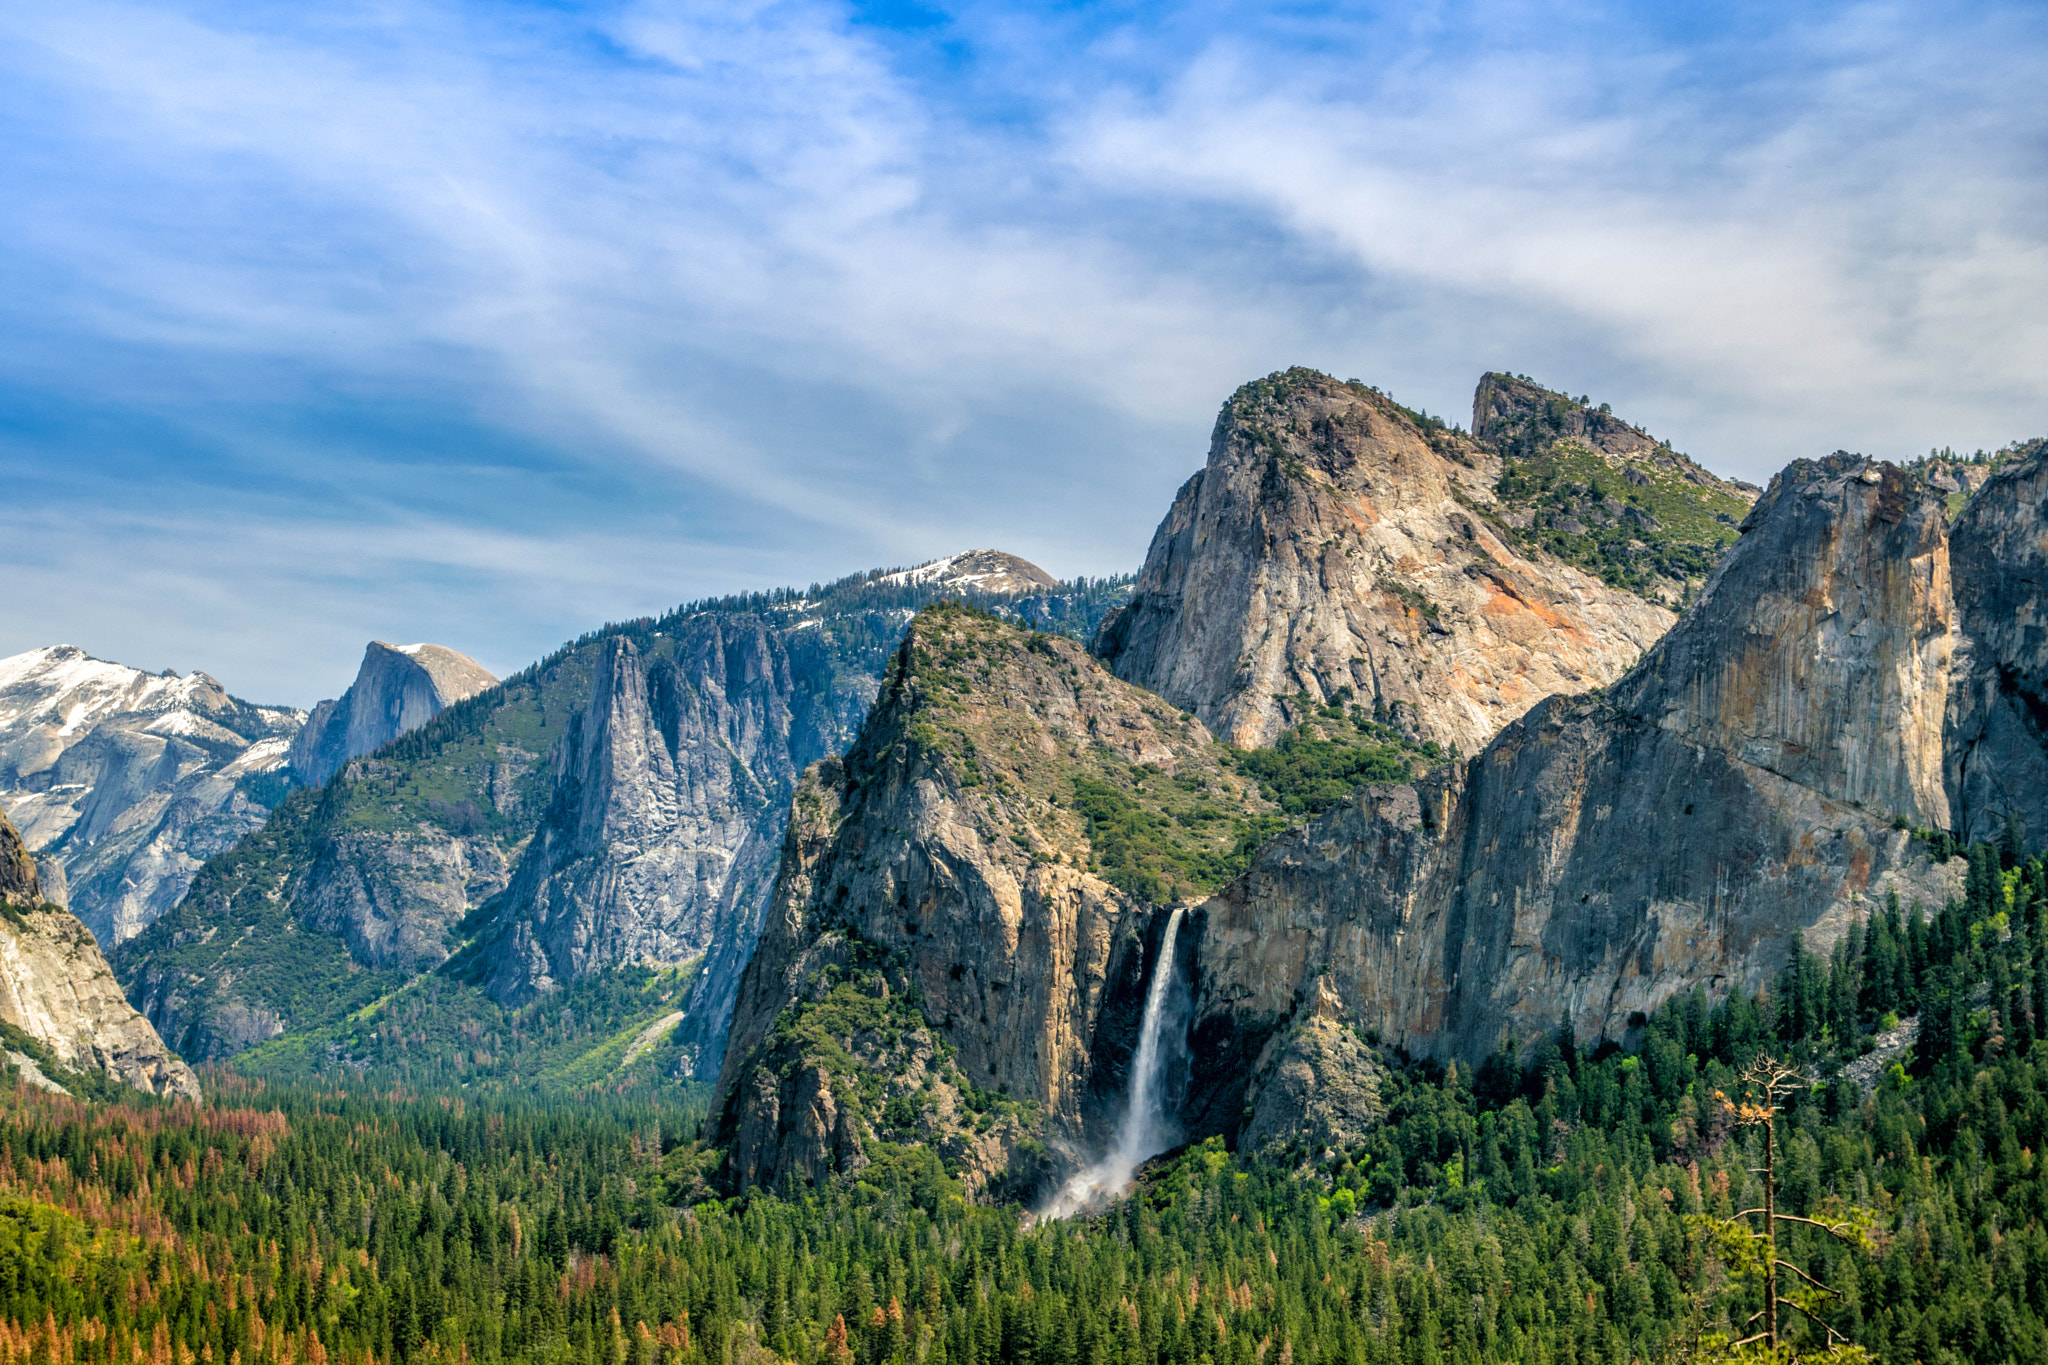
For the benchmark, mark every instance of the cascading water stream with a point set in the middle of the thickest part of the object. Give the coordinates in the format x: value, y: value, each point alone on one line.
x: 1143, y: 1130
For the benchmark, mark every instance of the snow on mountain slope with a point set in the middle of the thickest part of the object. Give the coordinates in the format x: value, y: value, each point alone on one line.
x: 984, y: 570
x: 123, y: 782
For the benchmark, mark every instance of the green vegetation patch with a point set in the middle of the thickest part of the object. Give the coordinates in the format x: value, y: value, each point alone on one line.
x: 437, y: 1033
x: 1317, y: 764
x: 1630, y: 532
x: 1162, y: 849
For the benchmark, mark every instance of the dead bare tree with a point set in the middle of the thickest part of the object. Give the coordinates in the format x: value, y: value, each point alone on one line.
x: 1749, y: 1250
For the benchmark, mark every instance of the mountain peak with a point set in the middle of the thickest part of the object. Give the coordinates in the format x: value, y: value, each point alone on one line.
x: 127, y: 780
x: 1602, y: 494
x: 994, y: 571
x: 1338, y: 546
x: 398, y: 689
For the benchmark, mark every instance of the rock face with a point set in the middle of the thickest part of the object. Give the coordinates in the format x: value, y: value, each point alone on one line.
x: 622, y: 803
x: 671, y: 795
x: 18, y: 883
x: 660, y: 841
x: 1744, y: 784
x: 56, y: 988
x: 650, y: 817
x: 125, y: 782
x: 937, y: 925
x: 398, y: 689
x: 1997, y: 740
x: 1335, y: 545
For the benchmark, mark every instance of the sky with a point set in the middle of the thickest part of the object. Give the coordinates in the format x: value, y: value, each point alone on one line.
x: 485, y: 323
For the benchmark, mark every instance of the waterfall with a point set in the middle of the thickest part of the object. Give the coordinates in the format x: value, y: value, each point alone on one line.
x: 1143, y: 1131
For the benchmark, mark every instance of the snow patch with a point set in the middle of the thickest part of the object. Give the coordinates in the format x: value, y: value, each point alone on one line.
x: 934, y: 571
x: 264, y: 756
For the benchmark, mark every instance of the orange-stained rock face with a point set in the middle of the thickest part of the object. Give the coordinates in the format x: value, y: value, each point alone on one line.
x: 1747, y: 783
x: 1333, y: 543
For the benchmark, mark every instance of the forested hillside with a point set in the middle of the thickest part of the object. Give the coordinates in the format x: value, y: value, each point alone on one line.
x: 1572, y: 1210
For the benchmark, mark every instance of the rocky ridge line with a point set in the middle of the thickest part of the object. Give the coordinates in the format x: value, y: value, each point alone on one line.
x: 647, y: 841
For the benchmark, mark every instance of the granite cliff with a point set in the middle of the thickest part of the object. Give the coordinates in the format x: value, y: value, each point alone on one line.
x: 949, y: 956
x: 1853, y: 673
x: 62, y: 1010
x: 397, y: 689
x: 1996, y: 746
x: 616, y: 808
x: 1755, y: 778
x: 1338, y: 545
x: 125, y: 782
x: 660, y: 838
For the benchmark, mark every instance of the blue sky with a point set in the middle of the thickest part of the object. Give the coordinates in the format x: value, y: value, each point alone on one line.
x: 485, y: 323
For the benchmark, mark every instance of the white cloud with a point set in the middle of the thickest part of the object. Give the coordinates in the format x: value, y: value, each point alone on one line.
x: 1825, y: 264
x: 730, y: 296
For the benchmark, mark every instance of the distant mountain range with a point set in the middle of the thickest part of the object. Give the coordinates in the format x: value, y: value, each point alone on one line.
x: 125, y: 782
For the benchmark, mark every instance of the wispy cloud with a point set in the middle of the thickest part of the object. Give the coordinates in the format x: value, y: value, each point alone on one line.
x: 487, y: 321
x: 1809, y: 241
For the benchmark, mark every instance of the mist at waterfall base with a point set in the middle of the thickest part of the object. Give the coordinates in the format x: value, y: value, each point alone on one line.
x: 1146, y: 1130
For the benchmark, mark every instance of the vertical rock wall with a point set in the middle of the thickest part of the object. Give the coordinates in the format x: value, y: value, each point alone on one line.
x: 1997, y: 741
x: 1739, y: 788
